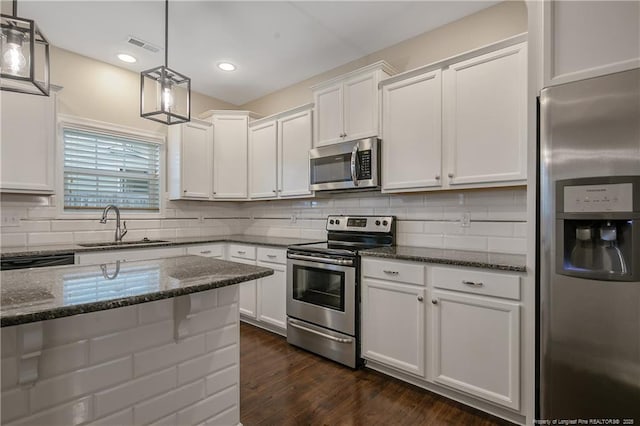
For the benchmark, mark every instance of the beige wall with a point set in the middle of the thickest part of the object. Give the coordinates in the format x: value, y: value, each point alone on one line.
x: 104, y: 92
x: 495, y: 23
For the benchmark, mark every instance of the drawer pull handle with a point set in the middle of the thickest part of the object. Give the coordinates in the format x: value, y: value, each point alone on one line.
x: 271, y: 256
x: 242, y: 252
x: 205, y: 252
x: 386, y: 271
x: 471, y: 283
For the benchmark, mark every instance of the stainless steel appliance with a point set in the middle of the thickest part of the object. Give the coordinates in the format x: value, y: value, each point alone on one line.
x: 323, y: 286
x: 346, y: 165
x: 589, y: 251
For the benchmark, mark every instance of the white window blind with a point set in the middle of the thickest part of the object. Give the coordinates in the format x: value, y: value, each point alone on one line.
x: 101, y: 169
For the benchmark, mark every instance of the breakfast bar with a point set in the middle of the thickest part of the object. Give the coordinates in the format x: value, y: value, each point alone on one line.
x: 123, y: 343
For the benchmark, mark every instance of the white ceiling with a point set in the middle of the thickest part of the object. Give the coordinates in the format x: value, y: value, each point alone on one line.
x: 273, y: 43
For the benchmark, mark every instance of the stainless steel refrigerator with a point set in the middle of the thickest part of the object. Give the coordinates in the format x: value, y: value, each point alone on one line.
x: 589, y: 251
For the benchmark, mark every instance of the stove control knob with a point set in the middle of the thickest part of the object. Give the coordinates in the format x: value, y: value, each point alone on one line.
x: 337, y: 221
x: 385, y: 223
x: 377, y: 223
x: 331, y: 221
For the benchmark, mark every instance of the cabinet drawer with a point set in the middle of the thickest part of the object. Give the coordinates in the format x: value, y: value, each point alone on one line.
x: 394, y: 271
x: 485, y: 283
x: 272, y: 255
x: 208, y: 250
x: 242, y: 252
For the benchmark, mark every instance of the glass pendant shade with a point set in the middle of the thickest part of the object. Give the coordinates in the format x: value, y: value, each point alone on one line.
x: 24, y: 63
x: 165, y: 96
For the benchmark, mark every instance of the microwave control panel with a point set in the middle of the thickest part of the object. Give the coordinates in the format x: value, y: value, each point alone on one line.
x: 364, y: 165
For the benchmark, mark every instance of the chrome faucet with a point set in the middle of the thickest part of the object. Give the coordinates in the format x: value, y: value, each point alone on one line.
x: 119, y: 232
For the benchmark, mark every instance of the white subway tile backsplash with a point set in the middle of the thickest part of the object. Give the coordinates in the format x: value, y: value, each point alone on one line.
x: 124, y: 417
x: 49, y: 392
x: 9, y: 368
x: 222, y: 379
x: 167, y: 403
x: 14, y: 403
x: 128, y: 341
x: 208, y: 407
x: 26, y: 226
x: 43, y: 238
x: 420, y: 240
x: 227, y: 417
x: 213, y: 361
x: 81, y: 225
x: 74, y: 413
x: 9, y: 341
x: 163, y: 356
x: 13, y: 240
x: 520, y: 229
x: 119, y: 397
x: 64, y: 330
x: 221, y: 337
x: 508, y: 245
x: 170, y: 420
x: 465, y: 242
x: 490, y: 229
x: 93, y: 236
x: 62, y: 359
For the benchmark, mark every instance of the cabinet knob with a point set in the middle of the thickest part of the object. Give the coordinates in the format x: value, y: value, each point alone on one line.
x: 420, y: 298
x: 450, y: 175
x: 437, y: 177
x: 274, y: 191
x: 185, y: 191
x: 434, y: 301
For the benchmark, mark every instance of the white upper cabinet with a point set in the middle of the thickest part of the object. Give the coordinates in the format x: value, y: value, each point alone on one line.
x: 279, y: 155
x: 262, y: 160
x: 230, y: 155
x: 484, y: 118
x: 27, y: 143
x: 584, y: 39
x: 294, y: 143
x: 412, y: 133
x: 347, y: 107
x: 189, y: 162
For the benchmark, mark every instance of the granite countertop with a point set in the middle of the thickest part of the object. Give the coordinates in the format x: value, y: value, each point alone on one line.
x: 43, y: 250
x: 478, y: 259
x: 30, y: 295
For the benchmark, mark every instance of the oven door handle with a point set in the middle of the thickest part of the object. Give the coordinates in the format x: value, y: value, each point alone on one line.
x: 354, y: 160
x: 341, y: 262
x: 326, y: 336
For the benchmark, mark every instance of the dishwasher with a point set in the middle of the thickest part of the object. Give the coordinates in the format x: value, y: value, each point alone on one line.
x: 22, y: 262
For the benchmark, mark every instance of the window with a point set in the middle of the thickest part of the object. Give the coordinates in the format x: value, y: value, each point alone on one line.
x: 101, y: 169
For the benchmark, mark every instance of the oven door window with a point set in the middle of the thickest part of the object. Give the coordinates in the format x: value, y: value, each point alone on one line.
x: 319, y: 287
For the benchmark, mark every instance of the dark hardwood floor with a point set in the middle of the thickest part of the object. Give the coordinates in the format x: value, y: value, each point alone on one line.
x: 283, y: 385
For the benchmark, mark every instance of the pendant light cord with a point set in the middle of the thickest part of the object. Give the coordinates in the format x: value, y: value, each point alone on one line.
x: 15, y: 8
x: 166, y: 32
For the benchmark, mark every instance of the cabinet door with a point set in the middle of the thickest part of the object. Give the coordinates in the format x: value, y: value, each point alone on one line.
x: 230, y: 157
x: 361, y: 106
x: 412, y: 135
x: 272, y: 296
x: 196, y: 160
x: 262, y: 160
x: 586, y: 39
x: 476, y: 346
x: 27, y: 150
x: 485, y: 117
x: 294, y: 143
x: 248, y: 295
x: 328, y: 115
x: 393, y: 325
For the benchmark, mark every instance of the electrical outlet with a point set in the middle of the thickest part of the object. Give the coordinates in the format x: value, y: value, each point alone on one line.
x: 294, y: 218
x: 201, y: 218
x: 9, y: 220
x: 465, y: 219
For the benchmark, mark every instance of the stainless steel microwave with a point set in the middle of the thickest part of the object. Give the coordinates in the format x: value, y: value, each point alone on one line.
x: 346, y: 165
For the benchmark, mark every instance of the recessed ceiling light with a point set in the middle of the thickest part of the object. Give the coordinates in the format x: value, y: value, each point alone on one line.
x: 127, y: 58
x: 226, y: 66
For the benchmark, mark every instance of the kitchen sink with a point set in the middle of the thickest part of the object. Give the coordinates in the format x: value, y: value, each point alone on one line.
x: 122, y: 243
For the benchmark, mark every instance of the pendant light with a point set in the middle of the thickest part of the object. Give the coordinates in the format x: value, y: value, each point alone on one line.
x: 24, y: 64
x: 165, y: 95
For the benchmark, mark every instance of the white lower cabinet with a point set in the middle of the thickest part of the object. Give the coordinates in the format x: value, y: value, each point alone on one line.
x: 245, y: 254
x: 132, y: 255
x: 272, y: 296
x: 449, y: 328
x: 393, y: 321
x: 475, y: 346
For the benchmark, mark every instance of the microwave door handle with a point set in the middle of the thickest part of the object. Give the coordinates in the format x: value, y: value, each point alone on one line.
x: 354, y: 158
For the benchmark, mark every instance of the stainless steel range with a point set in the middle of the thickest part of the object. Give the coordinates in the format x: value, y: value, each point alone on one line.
x: 323, y: 286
